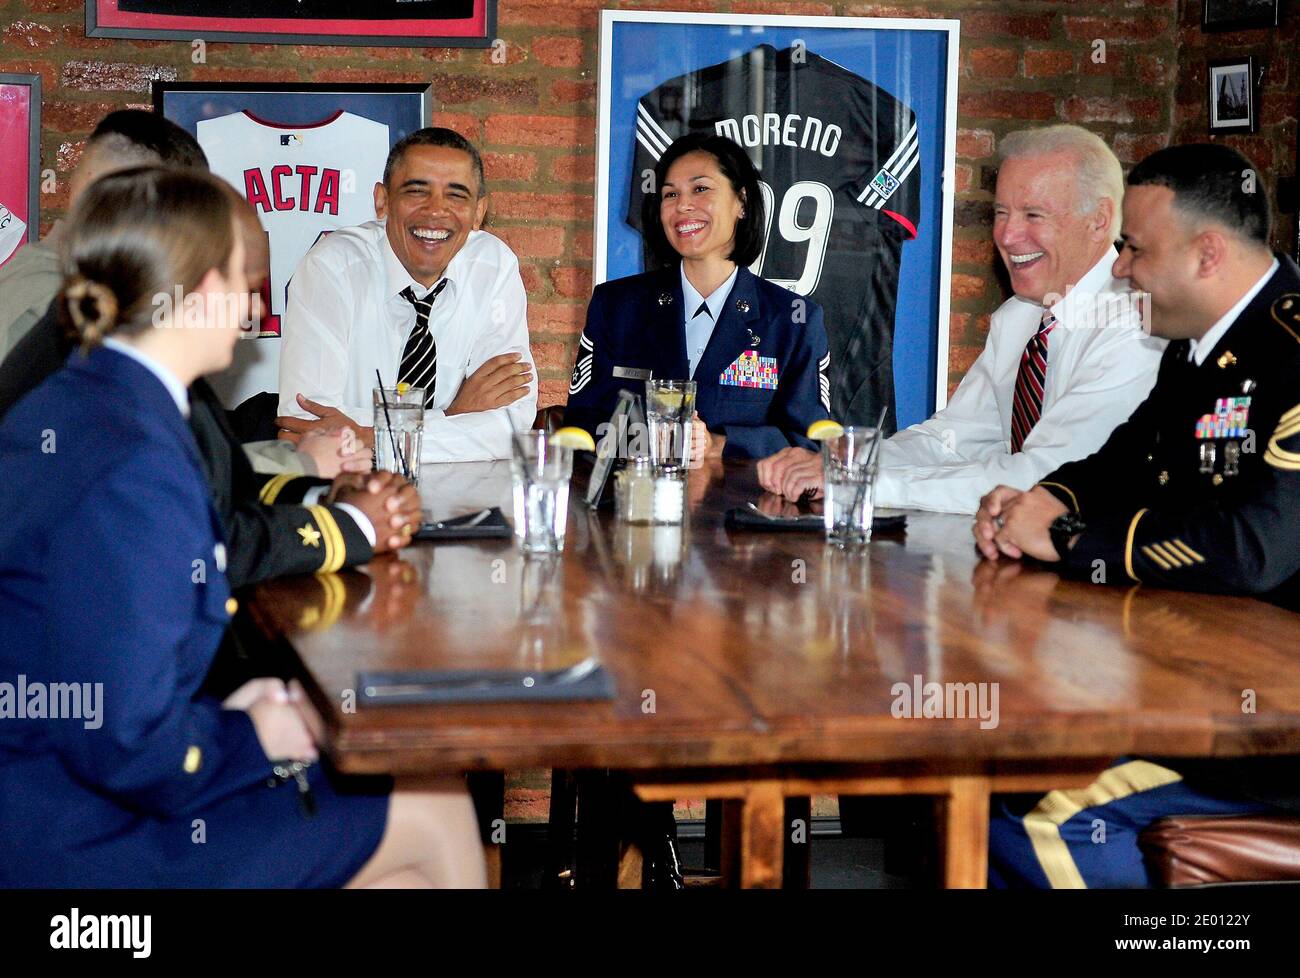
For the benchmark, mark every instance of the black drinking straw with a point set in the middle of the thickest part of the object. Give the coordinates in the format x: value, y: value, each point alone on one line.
x: 392, y: 439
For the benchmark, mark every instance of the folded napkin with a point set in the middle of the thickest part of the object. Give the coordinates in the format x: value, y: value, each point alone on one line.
x: 585, y: 681
x: 744, y: 518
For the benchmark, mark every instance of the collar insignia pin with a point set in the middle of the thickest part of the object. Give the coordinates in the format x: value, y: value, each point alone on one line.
x: 754, y: 339
x: 1247, y: 386
x: 742, y: 306
x: 1227, y: 360
x: 665, y: 299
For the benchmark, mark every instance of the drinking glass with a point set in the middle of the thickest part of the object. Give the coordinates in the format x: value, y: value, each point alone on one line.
x: 849, y: 465
x: 669, y: 405
x: 540, y: 474
x: 399, y: 426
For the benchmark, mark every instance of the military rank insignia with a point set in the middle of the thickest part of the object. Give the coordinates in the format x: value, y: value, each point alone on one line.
x: 1229, y: 420
x: 751, y: 370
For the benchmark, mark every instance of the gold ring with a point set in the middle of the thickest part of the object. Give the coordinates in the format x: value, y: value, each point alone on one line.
x: 407, y: 529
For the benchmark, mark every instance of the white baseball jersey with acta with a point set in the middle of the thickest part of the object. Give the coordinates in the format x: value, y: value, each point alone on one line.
x: 304, y: 182
x: 13, y: 231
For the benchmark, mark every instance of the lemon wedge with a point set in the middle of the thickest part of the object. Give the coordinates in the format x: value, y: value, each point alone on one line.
x: 825, y: 430
x: 402, y: 388
x: 576, y: 438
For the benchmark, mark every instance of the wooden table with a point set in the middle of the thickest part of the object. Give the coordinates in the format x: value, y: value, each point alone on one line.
x: 756, y: 666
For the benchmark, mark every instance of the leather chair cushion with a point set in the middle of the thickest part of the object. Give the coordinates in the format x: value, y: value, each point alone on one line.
x: 1186, y: 850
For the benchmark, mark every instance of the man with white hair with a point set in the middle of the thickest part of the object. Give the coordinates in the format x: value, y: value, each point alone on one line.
x: 1066, y: 359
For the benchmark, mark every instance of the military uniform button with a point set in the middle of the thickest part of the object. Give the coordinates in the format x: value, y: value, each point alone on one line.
x: 1150, y: 457
x: 1162, y: 478
x: 232, y: 605
x: 1218, y: 479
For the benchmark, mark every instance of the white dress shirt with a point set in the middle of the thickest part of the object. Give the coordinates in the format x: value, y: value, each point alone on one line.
x: 1100, y: 366
x: 345, y: 318
x: 699, y: 328
x: 1200, y: 349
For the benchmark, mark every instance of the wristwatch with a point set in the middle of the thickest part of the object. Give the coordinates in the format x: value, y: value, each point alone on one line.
x: 1062, y: 529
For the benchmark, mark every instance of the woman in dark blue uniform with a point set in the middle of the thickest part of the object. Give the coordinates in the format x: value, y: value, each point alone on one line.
x: 757, y: 352
x: 115, y: 768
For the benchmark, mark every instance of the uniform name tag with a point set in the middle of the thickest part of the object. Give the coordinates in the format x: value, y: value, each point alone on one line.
x: 751, y: 370
x: 631, y: 373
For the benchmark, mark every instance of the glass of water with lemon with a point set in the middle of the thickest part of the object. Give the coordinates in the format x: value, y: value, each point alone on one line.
x: 669, y: 407
x: 399, y: 429
x: 540, y: 467
x: 850, y: 459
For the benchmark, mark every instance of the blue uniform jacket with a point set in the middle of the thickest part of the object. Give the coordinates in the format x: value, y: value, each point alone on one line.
x: 763, y: 378
x: 111, y: 573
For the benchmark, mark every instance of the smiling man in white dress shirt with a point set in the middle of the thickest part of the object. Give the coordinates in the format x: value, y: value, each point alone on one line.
x: 421, y: 295
x: 1066, y: 359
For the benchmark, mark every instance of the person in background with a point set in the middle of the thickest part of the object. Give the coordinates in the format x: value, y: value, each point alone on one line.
x: 1066, y: 358
x: 34, y: 339
x: 111, y: 577
x: 757, y: 352
x: 420, y: 296
x: 267, y: 531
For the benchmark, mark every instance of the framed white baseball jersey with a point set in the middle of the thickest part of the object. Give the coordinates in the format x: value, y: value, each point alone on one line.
x: 304, y: 182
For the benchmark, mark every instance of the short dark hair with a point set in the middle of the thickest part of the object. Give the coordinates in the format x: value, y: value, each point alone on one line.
x: 1211, y: 181
x: 739, y: 170
x: 436, y: 136
x: 155, y: 135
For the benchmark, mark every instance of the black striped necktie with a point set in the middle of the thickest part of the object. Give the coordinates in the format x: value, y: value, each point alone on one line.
x: 420, y: 357
x: 1031, y: 382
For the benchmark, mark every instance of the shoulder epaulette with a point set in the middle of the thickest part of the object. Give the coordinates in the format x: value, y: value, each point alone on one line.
x: 1286, y: 313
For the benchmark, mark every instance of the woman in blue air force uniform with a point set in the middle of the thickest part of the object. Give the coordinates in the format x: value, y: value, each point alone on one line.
x: 757, y: 352
x: 111, y: 578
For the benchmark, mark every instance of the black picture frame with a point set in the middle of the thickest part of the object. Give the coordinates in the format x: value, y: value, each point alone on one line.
x: 1236, y: 15
x: 145, y: 26
x: 33, y: 82
x: 1226, y: 78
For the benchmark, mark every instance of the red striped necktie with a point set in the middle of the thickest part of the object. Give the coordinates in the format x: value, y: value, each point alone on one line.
x: 1031, y: 381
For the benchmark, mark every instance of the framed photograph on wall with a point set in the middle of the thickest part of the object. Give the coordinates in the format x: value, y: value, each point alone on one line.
x: 20, y: 161
x: 390, y: 23
x: 307, y: 157
x: 1235, y: 15
x: 1232, y: 93
x: 852, y: 125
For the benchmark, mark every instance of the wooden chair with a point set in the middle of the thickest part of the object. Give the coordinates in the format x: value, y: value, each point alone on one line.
x: 549, y: 418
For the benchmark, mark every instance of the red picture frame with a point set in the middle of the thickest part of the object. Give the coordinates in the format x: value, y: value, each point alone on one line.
x: 472, y: 23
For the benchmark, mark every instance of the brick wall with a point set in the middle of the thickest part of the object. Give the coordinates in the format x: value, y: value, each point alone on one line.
x: 1273, y: 148
x: 1022, y: 61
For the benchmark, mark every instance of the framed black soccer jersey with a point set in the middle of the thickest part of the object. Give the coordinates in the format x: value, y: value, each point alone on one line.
x: 307, y: 157
x: 393, y: 23
x: 20, y: 161
x: 851, y: 123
